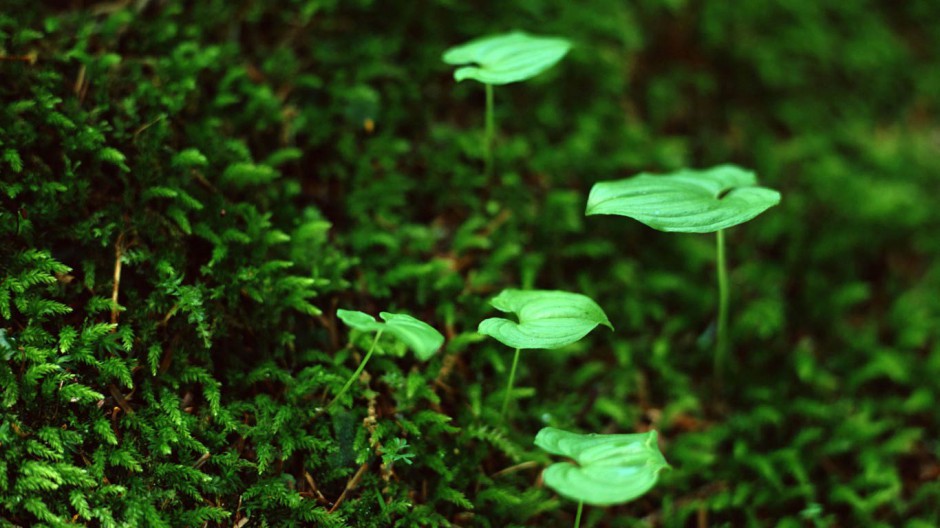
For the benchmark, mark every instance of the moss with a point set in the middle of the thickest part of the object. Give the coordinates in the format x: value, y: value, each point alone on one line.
x: 232, y: 173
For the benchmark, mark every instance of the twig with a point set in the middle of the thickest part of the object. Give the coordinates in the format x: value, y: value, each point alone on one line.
x: 447, y: 366
x: 119, y: 253
x: 29, y: 57
x: 517, y: 467
x: 495, y: 223
x: 239, y: 521
x: 107, y: 8
x: 350, y: 486
x: 329, y: 322
x: 313, y: 487
x: 145, y: 126
x: 371, y: 422
x: 119, y: 398
x: 204, y: 182
x: 79, y: 81
x: 169, y: 314
x: 166, y: 361
x: 202, y: 460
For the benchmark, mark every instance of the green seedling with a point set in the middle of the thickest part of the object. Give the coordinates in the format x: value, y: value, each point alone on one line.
x: 690, y: 201
x: 608, y: 468
x: 503, y: 59
x: 417, y: 335
x: 547, y: 320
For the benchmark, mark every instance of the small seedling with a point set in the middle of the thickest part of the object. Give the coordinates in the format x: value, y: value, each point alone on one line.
x: 690, y: 201
x: 547, y: 320
x: 420, y: 337
x: 503, y: 59
x: 608, y: 469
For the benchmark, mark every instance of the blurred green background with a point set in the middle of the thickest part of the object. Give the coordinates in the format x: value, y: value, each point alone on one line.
x: 254, y: 165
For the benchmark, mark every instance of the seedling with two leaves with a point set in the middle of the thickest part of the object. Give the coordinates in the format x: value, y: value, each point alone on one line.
x: 503, y: 59
x: 690, y: 201
x: 606, y: 469
x: 417, y: 335
x: 547, y: 320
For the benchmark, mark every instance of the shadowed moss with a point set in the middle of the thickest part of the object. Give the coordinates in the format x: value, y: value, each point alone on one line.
x: 231, y: 173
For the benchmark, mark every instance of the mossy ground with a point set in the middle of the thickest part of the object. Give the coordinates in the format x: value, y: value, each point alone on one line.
x: 233, y: 172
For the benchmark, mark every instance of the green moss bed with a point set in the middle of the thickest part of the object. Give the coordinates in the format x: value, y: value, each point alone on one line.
x: 189, y: 190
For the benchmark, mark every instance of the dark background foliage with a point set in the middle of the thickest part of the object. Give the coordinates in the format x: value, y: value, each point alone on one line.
x: 235, y: 171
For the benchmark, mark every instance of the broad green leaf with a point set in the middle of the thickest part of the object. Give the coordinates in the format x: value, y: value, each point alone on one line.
x: 609, y: 469
x: 359, y: 320
x: 547, y: 319
x: 690, y: 201
x: 419, y: 336
x: 508, y: 58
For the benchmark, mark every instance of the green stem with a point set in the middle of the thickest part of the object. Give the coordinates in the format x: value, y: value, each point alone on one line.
x: 721, y: 349
x: 356, y: 374
x: 490, y: 133
x: 512, y: 376
x: 577, y: 517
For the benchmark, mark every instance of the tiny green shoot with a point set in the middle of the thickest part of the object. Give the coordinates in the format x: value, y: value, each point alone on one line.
x: 547, y: 320
x: 690, y: 201
x: 419, y: 336
x: 503, y: 59
x: 607, y: 469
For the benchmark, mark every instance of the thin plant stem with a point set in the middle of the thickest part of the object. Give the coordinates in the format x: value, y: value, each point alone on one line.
x: 490, y: 133
x: 512, y: 376
x: 577, y: 517
x: 721, y: 345
x: 355, y: 376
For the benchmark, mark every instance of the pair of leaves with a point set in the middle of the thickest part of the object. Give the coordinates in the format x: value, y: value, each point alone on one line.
x: 689, y: 201
x: 420, y: 337
x: 608, y: 469
x: 504, y: 59
x: 547, y: 319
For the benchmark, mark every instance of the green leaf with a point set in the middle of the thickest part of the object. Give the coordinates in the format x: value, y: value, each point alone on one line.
x: 547, y: 319
x: 419, y: 336
x: 689, y: 201
x: 359, y: 320
x: 610, y: 469
x: 423, y: 339
x: 508, y: 58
